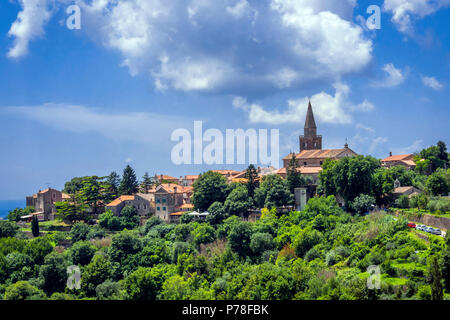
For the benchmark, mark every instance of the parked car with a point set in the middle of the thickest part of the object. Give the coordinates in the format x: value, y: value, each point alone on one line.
x: 428, y: 229
x: 436, y: 231
x: 411, y: 225
x: 421, y: 227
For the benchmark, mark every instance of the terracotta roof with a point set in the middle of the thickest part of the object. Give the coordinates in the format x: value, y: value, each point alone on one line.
x: 44, y: 191
x: 409, y: 162
x: 402, y: 189
x: 165, y: 177
x: 191, y: 177
x: 226, y: 172
x: 302, y: 170
x: 119, y: 200
x: 397, y: 157
x: 187, y: 206
x: 310, y: 170
x: 170, y: 187
x: 318, y: 154
x: 65, y: 196
x: 239, y: 180
x: 179, y: 213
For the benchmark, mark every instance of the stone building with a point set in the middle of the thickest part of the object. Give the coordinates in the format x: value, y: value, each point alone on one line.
x: 43, y: 202
x: 144, y: 203
x: 404, y: 160
x: 170, y: 198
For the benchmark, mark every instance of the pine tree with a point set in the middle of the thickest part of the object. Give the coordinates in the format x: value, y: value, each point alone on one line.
x: 35, y: 226
x: 129, y: 184
x: 113, y: 180
x: 146, y: 183
x: 251, y: 175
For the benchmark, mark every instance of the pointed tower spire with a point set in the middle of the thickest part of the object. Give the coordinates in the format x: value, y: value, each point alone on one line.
x: 309, y: 122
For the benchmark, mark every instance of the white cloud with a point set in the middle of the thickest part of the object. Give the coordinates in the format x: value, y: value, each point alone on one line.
x: 239, y: 8
x: 366, y: 137
x: 432, y: 83
x: 29, y: 25
x: 364, y: 106
x: 393, y: 78
x: 417, y: 145
x: 140, y: 127
x: 327, y: 108
x: 231, y: 45
x: 404, y: 12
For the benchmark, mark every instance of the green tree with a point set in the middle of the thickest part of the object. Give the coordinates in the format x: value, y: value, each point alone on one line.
x: 209, y: 188
x: 273, y: 192
x: 348, y: 177
x: 437, y: 183
x: 79, y: 232
x: 362, y: 203
x: 95, y: 273
x: 251, y: 174
x: 72, y: 186
x: 146, y: 183
x: 35, y: 226
x: 294, y: 177
x: 260, y: 242
x: 129, y: 184
x: 402, y: 202
x: 23, y: 290
x: 54, y: 273
x: 8, y: 229
x: 38, y: 248
x: 217, y: 213
x: 445, y: 262
x: 130, y: 217
x: 238, y: 201
x: 113, y: 181
x: 15, y: 214
x: 143, y: 284
x: 81, y: 253
x: 240, y: 237
x: 436, y: 280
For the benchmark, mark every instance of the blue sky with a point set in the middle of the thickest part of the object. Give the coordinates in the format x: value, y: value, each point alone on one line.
x: 89, y: 101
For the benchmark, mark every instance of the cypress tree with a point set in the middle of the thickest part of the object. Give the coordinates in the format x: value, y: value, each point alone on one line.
x: 35, y: 226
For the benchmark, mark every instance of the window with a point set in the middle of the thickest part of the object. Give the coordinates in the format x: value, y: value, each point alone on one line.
x: 321, y: 162
x: 158, y: 209
x: 164, y: 200
x: 164, y: 208
x: 158, y: 200
x: 304, y: 163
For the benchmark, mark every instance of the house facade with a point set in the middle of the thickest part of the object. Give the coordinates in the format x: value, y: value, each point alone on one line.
x: 404, y: 160
x: 44, y: 200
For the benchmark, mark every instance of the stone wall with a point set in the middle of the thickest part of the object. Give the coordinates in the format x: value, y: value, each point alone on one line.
x: 430, y: 220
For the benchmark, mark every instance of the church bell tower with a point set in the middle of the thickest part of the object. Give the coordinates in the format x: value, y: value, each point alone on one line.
x: 310, y: 140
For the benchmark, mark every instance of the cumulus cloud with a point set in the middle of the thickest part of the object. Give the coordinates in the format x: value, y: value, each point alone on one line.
x: 393, y: 77
x: 29, y: 25
x: 228, y: 45
x: 327, y: 108
x: 140, y: 127
x: 404, y: 12
x: 432, y: 83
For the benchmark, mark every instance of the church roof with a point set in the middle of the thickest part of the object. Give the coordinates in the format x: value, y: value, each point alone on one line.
x: 319, y: 154
x: 309, y: 122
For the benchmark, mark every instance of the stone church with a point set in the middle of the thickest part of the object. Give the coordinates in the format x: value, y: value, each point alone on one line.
x: 311, y: 155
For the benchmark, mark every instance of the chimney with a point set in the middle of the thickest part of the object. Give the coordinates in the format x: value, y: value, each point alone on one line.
x: 390, y: 154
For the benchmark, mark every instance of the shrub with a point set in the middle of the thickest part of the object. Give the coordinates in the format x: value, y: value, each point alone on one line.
x: 402, y: 202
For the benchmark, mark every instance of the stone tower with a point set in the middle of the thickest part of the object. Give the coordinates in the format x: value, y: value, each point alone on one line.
x: 310, y: 140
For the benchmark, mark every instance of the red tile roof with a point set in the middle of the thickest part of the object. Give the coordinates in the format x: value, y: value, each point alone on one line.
x: 397, y: 157
x: 119, y: 200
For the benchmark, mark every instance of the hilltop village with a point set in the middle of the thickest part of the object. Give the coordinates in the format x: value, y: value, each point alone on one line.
x: 169, y: 197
